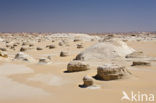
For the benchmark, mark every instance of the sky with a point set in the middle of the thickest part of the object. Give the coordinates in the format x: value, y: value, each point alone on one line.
x: 89, y: 16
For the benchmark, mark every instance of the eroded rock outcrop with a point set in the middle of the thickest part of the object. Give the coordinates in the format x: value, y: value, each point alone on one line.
x: 111, y: 72
x: 105, y: 51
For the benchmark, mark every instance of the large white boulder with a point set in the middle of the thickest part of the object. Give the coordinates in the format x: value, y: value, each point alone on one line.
x: 105, y: 51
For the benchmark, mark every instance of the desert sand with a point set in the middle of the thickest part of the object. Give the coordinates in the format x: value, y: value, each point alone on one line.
x: 41, y: 76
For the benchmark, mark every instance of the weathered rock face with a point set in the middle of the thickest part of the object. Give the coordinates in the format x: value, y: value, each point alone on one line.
x: 135, y: 55
x: 64, y: 53
x: 75, y: 66
x: 105, y: 51
x: 88, y: 81
x: 24, y: 57
x: 135, y: 63
x: 111, y: 72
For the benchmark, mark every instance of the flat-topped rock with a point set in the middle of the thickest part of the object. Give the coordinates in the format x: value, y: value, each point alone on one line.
x: 111, y: 72
x: 44, y: 61
x: 141, y: 62
x: 39, y: 48
x: 75, y: 66
x: 136, y: 54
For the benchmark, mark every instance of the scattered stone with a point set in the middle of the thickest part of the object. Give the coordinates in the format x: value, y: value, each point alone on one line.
x: 15, y: 45
x: 146, y: 63
x: 75, y: 66
x: 38, y: 48
x: 3, y: 54
x: 111, y: 72
x: 39, y: 40
x: 3, y: 49
x: 44, y: 61
x: 8, y: 46
x: 12, y: 47
x: 30, y: 45
x: 23, y: 49
x: 135, y: 55
x: 49, y: 57
x: 50, y: 46
x: 24, y: 57
x: 76, y: 40
x: 25, y: 43
x: 60, y: 43
x: 64, y: 54
x: 88, y: 81
x: 79, y: 46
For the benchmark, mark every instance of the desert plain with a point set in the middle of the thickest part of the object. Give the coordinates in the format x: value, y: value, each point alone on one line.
x: 76, y: 68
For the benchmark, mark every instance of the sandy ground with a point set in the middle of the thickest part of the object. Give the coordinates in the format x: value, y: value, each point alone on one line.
x: 22, y: 82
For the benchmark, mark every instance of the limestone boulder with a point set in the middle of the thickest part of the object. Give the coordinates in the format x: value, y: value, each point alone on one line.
x: 24, y: 57
x: 44, y: 61
x: 111, y: 72
x: 75, y: 66
x: 102, y: 51
x: 141, y: 62
x: 88, y: 81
